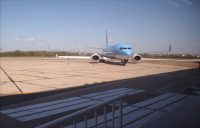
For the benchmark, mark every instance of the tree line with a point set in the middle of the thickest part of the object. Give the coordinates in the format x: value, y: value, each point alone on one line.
x: 171, y: 56
x: 19, y: 53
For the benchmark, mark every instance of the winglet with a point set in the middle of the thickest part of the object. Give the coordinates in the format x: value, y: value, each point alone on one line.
x: 170, y: 48
x: 106, y: 39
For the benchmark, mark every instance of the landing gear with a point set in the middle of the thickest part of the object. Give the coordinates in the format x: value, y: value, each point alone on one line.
x: 101, y: 61
x: 124, y: 62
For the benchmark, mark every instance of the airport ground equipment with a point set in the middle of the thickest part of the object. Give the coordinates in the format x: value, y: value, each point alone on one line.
x: 90, y: 109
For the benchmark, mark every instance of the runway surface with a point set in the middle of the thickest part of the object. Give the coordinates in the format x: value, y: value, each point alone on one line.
x: 155, y: 89
x: 29, y: 75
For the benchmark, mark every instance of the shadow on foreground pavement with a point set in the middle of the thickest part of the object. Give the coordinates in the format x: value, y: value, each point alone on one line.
x: 185, y: 116
x: 12, y: 99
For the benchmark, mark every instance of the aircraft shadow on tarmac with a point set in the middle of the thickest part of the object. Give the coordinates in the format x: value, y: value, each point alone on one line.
x: 113, y: 63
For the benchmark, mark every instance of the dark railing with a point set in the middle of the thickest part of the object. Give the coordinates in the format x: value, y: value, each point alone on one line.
x: 89, y: 109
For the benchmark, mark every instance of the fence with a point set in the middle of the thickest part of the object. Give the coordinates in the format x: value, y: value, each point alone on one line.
x: 89, y: 109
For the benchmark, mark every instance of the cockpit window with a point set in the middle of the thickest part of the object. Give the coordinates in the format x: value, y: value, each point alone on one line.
x: 123, y: 48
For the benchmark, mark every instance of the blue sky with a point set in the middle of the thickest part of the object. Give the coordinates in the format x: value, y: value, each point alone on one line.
x: 74, y: 25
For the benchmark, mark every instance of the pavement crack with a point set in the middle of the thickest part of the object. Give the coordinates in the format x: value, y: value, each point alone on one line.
x: 11, y: 80
x: 3, y: 83
x: 35, y: 76
x: 38, y: 85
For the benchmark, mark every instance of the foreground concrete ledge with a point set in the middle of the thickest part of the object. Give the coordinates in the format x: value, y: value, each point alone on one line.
x: 185, y: 116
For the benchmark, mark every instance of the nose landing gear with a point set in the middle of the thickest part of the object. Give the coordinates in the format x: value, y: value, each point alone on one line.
x: 124, y: 62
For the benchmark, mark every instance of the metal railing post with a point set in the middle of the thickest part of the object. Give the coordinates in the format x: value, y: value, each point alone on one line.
x: 95, y: 117
x: 113, y: 115
x: 86, y: 110
x: 85, y: 116
x: 104, y: 116
x: 74, y: 122
x: 61, y: 126
x: 120, y: 113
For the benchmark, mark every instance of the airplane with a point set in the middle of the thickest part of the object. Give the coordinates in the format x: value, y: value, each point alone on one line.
x: 121, y: 52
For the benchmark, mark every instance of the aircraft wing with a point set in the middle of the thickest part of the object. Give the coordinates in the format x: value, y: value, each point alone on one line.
x: 96, y: 48
x: 152, y: 52
x: 77, y: 57
x: 74, y: 57
x: 170, y: 49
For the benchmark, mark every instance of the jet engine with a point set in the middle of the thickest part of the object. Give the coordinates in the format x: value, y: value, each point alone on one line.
x: 135, y: 57
x: 95, y: 57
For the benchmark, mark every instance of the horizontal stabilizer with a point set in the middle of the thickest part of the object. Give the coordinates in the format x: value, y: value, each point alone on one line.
x: 170, y: 48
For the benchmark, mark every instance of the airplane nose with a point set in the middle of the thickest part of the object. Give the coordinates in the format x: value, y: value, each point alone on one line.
x: 128, y: 53
x: 124, y: 54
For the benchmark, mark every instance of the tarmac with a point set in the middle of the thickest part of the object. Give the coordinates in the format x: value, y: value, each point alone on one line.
x: 47, y: 80
x: 22, y: 76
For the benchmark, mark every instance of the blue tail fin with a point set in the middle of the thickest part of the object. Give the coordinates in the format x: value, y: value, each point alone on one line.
x: 106, y: 39
x: 170, y: 48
